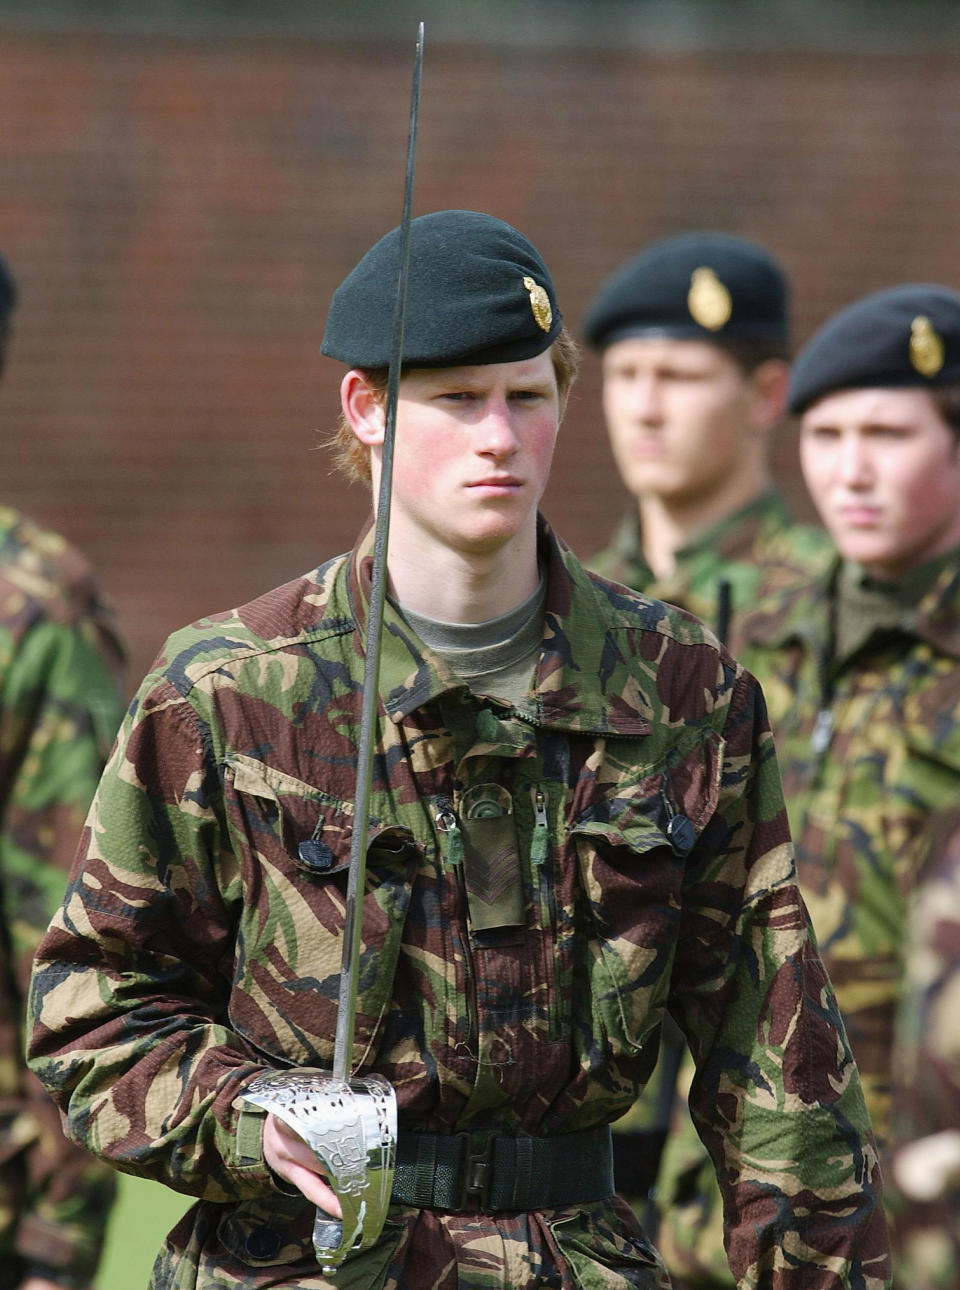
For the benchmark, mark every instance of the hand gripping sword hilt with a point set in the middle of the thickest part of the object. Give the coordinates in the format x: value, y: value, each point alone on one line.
x: 351, y: 1126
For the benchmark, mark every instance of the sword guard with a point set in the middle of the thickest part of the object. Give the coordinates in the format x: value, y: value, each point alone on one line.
x: 351, y: 1126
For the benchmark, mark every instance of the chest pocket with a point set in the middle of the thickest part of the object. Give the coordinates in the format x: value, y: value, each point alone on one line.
x: 632, y: 846
x: 293, y: 846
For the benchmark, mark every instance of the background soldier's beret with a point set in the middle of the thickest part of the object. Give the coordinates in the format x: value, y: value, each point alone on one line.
x: 8, y: 292
x: 697, y: 286
x: 902, y: 336
x: 478, y: 292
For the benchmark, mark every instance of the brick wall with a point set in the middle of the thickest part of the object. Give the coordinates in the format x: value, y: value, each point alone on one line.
x: 178, y: 211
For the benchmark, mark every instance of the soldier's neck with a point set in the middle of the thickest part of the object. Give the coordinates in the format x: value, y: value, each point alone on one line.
x: 669, y: 523
x: 457, y: 586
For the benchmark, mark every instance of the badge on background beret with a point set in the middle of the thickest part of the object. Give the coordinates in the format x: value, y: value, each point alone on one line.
x: 708, y: 299
x: 927, y: 350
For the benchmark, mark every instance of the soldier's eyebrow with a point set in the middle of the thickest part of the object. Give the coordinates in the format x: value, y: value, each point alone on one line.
x: 898, y: 425
x: 813, y: 427
x: 620, y: 366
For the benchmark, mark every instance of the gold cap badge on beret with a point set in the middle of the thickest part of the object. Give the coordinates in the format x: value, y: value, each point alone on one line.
x: 708, y: 300
x: 926, y: 347
x: 539, y: 304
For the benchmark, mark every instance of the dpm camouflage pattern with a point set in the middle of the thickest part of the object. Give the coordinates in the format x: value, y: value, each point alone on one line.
x: 860, y: 803
x: 200, y: 939
x: 59, y: 711
x: 758, y: 550
x: 926, y: 1063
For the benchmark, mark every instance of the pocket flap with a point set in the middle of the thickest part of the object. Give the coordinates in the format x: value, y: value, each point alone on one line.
x: 262, y: 780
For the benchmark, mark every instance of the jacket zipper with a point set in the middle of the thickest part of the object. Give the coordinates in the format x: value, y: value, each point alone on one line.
x: 540, y: 854
x: 447, y: 823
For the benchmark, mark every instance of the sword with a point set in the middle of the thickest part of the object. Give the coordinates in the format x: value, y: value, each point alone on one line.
x: 351, y: 1123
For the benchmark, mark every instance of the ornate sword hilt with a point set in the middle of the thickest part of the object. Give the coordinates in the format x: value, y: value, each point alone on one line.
x: 351, y: 1126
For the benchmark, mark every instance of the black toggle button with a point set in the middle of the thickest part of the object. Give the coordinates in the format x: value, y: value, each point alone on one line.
x: 682, y: 834
x: 316, y: 855
x: 263, y: 1243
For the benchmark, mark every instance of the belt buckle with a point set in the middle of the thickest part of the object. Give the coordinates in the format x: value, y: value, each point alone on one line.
x: 477, y: 1175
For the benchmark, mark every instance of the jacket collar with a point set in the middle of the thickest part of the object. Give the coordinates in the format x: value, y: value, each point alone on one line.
x: 937, y: 616
x: 802, y: 615
x: 581, y: 681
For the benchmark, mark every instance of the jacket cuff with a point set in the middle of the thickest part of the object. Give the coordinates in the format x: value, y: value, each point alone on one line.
x: 244, y: 1157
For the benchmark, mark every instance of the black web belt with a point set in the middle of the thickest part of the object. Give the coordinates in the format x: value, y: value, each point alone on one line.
x: 481, y: 1173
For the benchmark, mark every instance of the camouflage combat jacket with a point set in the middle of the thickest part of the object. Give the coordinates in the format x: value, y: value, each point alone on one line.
x: 719, y: 575
x: 200, y: 939
x: 59, y: 710
x: 869, y: 749
x: 755, y: 551
x: 926, y: 1065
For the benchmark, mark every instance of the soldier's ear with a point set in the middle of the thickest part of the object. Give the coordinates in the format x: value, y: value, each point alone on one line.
x: 363, y: 408
x: 769, y: 382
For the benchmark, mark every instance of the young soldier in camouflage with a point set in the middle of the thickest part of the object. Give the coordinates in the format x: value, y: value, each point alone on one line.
x: 860, y: 667
x: 694, y: 338
x: 578, y: 824
x: 59, y: 711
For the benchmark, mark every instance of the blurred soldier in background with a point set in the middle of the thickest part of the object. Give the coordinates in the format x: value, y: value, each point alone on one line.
x: 694, y: 337
x: 60, y: 707
x: 860, y: 669
x: 923, y: 1185
x: 693, y: 334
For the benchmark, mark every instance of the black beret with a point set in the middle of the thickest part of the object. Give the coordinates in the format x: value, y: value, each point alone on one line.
x: 696, y: 286
x: 8, y: 292
x: 477, y: 292
x: 901, y: 336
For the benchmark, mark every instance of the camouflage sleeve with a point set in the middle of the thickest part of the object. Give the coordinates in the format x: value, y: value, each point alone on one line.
x: 776, y: 1097
x: 926, y: 1059
x: 129, y: 997
x: 59, y: 710
x: 924, y: 1177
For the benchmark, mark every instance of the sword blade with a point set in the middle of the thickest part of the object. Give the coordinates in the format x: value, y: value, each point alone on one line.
x: 347, y: 1005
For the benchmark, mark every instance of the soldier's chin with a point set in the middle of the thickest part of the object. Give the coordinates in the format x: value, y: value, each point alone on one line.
x: 490, y: 533
x: 865, y: 547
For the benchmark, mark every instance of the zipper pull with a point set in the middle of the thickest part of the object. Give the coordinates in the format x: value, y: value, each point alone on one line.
x: 541, y: 872
x: 822, y: 732
x: 540, y: 842
x: 448, y: 826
